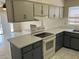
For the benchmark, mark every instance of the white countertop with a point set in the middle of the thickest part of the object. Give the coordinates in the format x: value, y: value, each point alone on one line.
x: 26, y: 39
x: 58, y: 30
x: 14, y: 34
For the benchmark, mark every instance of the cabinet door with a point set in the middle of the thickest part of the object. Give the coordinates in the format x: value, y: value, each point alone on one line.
x: 37, y: 53
x: 23, y: 11
x: 61, y: 12
x: 67, y: 40
x: 28, y: 55
x: 51, y: 12
x: 45, y: 10
x: 59, y: 41
x: 56, y: 12
x: 75, y: 43
x: 37, y: 10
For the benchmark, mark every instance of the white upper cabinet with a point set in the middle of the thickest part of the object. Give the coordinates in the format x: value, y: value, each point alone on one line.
x: 26, y: 10
x: 40, y: 10
x: 37, y: 9
x: 61, y: 12
x: 45, y: 10
x: 51, y: 12
x: 57, y: 12
x: 23, y: 11
x: 19, y: 11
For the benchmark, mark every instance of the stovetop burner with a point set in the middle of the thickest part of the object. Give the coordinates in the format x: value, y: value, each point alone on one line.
x: 43, y: 35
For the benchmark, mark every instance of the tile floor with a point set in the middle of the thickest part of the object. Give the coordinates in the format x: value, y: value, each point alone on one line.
x: 63, y: 53
x: 4, y: 48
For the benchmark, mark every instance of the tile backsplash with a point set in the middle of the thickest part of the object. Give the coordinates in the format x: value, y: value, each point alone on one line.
x: 53, y: 23
x: 45, y: 22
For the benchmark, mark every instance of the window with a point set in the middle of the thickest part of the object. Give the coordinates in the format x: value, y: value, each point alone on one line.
x: 73, y: 16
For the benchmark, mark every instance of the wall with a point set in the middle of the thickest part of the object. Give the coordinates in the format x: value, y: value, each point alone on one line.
x: 69, y: 3
x: 17, y: 27
x: 47, y: 23
x: 26, y: 25
x: 70, y: 26
x: 53, y: 23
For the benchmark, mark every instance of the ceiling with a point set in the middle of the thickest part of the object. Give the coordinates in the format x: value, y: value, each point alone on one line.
x: 2, y: 1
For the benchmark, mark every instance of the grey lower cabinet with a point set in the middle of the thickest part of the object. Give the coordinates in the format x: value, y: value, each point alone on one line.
x: 75, y: 43
x: 71, y: 40
x: 59, y: 41
x: 67, y: 40
x: 28, y: 55
x: 37, y: 53
x: 33, y: 51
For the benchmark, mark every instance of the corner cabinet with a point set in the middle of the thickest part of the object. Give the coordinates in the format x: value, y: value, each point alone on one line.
x: 33, y: 51
x: 59, y: 41
x: 71, y: 40
x: 67, y: 39
x: 19, y: 11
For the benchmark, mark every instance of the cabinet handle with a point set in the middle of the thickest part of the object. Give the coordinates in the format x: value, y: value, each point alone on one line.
x: 25, y: 16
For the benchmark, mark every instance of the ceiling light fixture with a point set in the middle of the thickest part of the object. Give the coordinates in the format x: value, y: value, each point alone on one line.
x: 4, y: 6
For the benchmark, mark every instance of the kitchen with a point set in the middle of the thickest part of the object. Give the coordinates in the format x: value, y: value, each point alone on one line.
x: 42, y: 29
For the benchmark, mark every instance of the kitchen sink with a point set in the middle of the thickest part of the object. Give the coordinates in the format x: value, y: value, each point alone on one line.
x: 44, y: 34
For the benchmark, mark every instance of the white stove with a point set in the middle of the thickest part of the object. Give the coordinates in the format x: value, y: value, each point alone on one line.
x: 48, y: 43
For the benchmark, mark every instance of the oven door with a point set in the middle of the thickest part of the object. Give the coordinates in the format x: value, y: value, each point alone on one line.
x: 49, y: 45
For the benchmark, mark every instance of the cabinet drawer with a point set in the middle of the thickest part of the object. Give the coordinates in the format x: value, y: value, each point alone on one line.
x: 67, y: 33
x: 76, y: 35
x: 59, y: 34
x: 72, y: 34
x: 27, y: 49
x: 37, y: 44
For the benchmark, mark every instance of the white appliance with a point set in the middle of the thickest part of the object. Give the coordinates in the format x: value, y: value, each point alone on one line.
x: 48, y: 42
x: 49, y: 47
